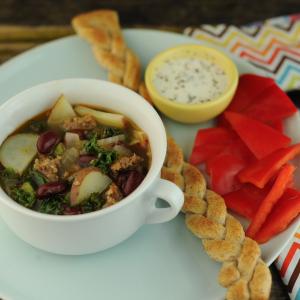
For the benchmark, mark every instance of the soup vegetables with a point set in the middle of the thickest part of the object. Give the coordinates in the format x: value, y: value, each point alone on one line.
x: 73, y: 160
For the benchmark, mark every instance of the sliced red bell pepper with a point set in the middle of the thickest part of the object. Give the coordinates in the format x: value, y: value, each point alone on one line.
x: 223, y: 169
x: 214, y: 135
x: 238, y: 148
x: 277, y: 125
x: 209, y: 142
x: 270, y: 200
x: 222, y: 122
x: 289, y: 193
x: 246, y: 200
x: 272, y: 104
x: 249, y: 88
x: 284, y: 212
x: 261, y: 171
x: 261, y: 139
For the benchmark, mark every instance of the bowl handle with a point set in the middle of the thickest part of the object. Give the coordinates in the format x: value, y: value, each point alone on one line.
x: 169, y: 192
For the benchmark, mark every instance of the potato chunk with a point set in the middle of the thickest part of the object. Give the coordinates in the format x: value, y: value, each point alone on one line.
x: 61, y: 111
x: 88, y: 181
x: 18, y: 151
x: 103, y: 118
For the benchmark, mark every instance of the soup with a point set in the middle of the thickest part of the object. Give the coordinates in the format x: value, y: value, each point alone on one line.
x: 73, y: 160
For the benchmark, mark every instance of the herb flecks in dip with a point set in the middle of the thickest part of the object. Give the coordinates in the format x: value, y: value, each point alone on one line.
x: 73, y: 160
x: 190, y: 80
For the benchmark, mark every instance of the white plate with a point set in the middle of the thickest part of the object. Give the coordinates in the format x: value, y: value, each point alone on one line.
x: 162, y: 261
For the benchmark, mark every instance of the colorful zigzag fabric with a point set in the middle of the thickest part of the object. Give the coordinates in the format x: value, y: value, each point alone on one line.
x: 273, y: 46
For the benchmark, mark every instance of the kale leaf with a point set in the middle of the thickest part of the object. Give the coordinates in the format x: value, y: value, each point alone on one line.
x: 104, y: 157
x: 38, y: 126
x: 9, y: 180
x: 104, y: 160
x: 109, y: 132
x: 91, y: 146
x: 36, y: 178
x: 93, y: 203
x: 53, y: 206
x: 24, y: 198
x: 104, y: 132
x: 9, y: 173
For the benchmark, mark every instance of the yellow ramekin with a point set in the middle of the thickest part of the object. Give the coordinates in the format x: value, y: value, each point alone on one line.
x: 192, y: 113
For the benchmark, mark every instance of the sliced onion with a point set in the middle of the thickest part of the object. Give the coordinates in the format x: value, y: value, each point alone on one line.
x: 111, y: 140
x: 72, y: 140
x: 139, y: 137
x: 69, y: 161
x: 122, y: 150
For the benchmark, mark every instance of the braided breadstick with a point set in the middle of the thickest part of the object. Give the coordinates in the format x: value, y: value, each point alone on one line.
x: 243, y: 272
x: 101, y: 28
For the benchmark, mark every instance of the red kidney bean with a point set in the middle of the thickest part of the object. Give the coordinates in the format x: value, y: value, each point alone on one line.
x: 47, y: 141
x: 128, y: 181
x: 49, y: 189
x: 84, y: 160
x: 80, y: 132
x: 72, y: 210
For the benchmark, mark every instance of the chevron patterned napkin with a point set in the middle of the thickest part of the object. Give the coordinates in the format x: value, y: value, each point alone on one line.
x: 273, y: 46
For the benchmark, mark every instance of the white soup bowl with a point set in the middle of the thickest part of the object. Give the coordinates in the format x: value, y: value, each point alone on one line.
x: 99, y: 230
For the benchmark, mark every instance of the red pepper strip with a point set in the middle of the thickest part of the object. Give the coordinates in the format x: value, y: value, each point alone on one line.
x: 236, y: 148
x: 277, y: 125
x: 261, y: 139
x: 223, y: 169
x: 239, y: 149
x: 201, y: 154
x: 261, y: 171
x: 283, y: 213
x: 222, y: 122
x: 249, y: 88
x: 246, y: 200
x: 214, y: 135
x: 270, y: 200
x: 272, y: 104
x: 209, y: 142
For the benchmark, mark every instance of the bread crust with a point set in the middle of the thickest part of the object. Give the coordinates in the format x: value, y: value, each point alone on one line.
x: 243, y: 272
x: 102, y: 30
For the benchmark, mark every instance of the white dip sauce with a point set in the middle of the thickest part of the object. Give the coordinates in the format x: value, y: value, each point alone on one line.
x: 190, y: 80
